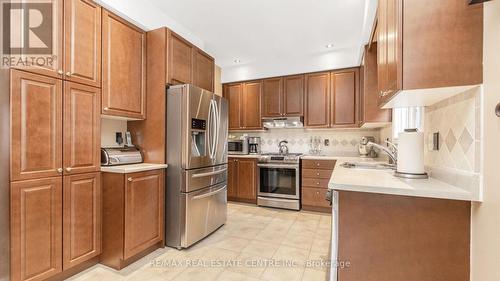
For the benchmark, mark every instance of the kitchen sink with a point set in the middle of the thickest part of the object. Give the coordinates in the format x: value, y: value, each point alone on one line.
x: 364, y: 165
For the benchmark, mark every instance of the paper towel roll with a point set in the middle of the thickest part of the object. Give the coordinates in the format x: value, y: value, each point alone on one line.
x: 411, y: 153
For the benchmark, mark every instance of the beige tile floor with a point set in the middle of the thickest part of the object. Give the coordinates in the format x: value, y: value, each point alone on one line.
x: 255, y: 244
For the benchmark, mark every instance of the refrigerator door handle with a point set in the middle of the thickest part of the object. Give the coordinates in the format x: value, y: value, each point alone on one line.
x: 209, y: 130
x: 217, y: 121
x: 209, y: 174
x: 210, y: 193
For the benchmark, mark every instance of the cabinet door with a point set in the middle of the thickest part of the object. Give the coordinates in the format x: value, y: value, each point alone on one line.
x: 293, y: 95
x: 81, y: 218
x: 394, y: 72
x: 272, y: 97
x: 36, y: 114
x: 369, y: 85
x: 43, y: 47
x: 317, y: 100
x: 382, y: 50
x: 124, y: 68
x: 82, y: 42
x: 36, y: 228
x: 251, y: 105
x: 180, y: 56
x: 247, y: 178
x: 204, y: 70
x: 143, y: 211
x: 232, y: 178
x: 233, y: 93
x: 82, y: 133
x: 345, y: 97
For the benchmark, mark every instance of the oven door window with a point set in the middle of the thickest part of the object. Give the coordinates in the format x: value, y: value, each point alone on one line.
x: 278, y: 181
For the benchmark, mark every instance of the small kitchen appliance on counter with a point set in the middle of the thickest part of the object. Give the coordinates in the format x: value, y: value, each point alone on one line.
x: 237, y: 145
x: 120, y: 156
x: 366, y: 150
x: 410, y: 160
x: 254, y: 145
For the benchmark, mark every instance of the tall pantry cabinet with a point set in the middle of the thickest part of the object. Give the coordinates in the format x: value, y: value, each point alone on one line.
x: 54, y: 154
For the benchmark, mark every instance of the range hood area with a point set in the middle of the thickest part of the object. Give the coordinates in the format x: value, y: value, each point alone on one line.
x: 283, y: 122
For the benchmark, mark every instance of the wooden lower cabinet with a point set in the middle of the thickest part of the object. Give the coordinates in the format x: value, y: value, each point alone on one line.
x: 242, y: 179
x: 55, y: 225
x: 393, y: 238
x: 133, y: 216
x: 314, y: 184
x: 81, y: 218
x: 36, y: 229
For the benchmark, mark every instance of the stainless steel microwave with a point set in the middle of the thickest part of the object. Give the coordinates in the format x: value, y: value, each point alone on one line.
x: 237, y: 145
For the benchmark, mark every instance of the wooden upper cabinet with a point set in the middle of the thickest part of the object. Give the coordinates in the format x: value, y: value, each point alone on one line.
x: 82, y: 46
x: 36, y: 228
x: 293, y: 95
x: 36, y: 114
x: 82, y: 133
x: 53, y: 56
x: 143, y: 211
x: 431, y: 60
x: 370, y: 112
x: 204, y: 68
x: 272, y: 96
x: 124, y: 68
x: 180, y: 60
x: 251, y: 105
x: 317, y: 100
x: 81, y: 218
x: 233, y: 93
x: 345, y: 97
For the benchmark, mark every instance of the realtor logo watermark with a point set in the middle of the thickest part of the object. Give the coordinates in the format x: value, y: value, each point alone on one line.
x: 27, y: 34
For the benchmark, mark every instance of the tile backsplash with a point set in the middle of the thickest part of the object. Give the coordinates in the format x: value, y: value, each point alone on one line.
x: 343, y: 142
x: 458, y: 121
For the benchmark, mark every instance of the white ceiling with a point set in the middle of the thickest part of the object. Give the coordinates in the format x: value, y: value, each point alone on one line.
x: 270, y: 37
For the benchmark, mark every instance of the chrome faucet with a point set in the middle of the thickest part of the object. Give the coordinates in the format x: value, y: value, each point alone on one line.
x: 283, y: 148
x: 393, y: 154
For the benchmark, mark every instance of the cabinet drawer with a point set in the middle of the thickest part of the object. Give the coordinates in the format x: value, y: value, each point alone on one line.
x: 315, y: 197
x: 316, y: 173
x: 318, y: 164
x: 310, y: 182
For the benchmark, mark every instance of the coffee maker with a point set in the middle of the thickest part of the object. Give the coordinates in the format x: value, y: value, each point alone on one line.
x: 254, y: 145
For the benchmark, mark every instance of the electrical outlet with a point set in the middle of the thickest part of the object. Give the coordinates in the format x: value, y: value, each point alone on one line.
x: 326, y: 142
x: 433, y: 141
x: 119, y: 138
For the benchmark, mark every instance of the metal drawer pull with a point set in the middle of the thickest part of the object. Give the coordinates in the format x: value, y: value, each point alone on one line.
x: 68, y: 169
x: 210, y: 193
x: 130, y: 179
x: 317, y: 174
x: 60, y: 170
x: 209, y: 173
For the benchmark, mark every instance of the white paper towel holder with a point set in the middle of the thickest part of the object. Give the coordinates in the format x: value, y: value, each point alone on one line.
x: 411, y: 175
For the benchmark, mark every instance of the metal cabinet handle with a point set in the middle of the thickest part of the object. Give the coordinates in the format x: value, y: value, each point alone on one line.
x: 60, y: 170
x: 60, y: 72
x: 130, y: 179
x: 317, y: 183
x: 317, y: 164
x: 317, y: 174
x: 68, y: 169
x: 68, y: 73
x: 105, y: 108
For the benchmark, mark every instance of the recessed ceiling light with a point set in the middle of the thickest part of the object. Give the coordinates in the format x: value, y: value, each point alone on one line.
x: 237, y: 61
x: 329, y: 46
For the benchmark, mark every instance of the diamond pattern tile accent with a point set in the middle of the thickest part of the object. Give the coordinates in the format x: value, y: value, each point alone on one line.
x: 354, y: 142
x: 335, y: 142
x: 450, y: 140
x: 344, y: 142
x: 465, y: 140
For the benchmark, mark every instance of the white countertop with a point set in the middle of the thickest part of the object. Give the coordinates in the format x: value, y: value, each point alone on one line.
x: 132, y: 168
x: 384, y: 182
x: 243, y: 155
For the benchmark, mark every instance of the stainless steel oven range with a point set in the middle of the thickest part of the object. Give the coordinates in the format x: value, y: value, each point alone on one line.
x: 279, y: 181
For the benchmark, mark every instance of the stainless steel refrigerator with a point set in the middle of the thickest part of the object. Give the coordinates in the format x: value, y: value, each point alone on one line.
x: 196, y: 191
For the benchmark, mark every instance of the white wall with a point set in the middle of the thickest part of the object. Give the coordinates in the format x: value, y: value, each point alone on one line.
x: 109, y: 127
x: 485, y: 220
